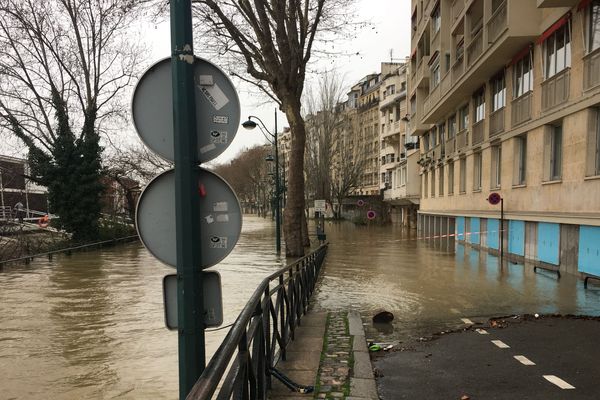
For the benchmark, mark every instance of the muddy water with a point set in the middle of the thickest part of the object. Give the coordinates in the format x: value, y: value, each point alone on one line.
x: 430, y: 285
x: 91, y: 325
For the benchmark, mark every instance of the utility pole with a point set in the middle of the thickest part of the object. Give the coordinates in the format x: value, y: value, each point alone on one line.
x: 189, y: 271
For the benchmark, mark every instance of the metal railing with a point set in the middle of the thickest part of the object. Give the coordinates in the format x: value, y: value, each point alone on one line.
x: 478, y: 132
x: 591, y: 77
x: 457, y: 69
x: 261, y: 333
x: 450, y: 147
x: 475, y: 48
x: 497, y: 23
x: 497, y: 122
x: 555, y: 90
x: 521, y: 109
x: 462, y: 139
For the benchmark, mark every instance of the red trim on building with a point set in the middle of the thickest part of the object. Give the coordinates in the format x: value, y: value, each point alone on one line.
x: 583, y: 4
x: 520, y: 55
x: 556, y: 26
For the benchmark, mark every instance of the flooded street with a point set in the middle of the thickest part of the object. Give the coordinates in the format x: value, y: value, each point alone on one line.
x: 91, y: 325
x: 429, y: 287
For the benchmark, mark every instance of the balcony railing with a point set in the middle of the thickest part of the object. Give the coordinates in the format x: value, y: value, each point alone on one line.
x: 521, y: 109
x: 422, y: 70
x: 497, y: 23
x: 478, y: 130
x: 457, y: 8
x: 450, y: 147
x: 555, y: 90
x: 457, y: 69
x: 462, y: 138
x: 591, y: 77
x: 497, y: 122
x: 437, y: 153
x: 431, y: 100
x: 475, y: 48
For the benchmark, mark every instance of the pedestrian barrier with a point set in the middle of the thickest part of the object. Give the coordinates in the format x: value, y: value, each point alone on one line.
x: 261, y: 333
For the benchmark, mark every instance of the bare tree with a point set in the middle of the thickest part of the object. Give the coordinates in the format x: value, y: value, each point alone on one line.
x: 275, y: 41
x: 349, y: 162
x: 325, y: 116
x: 63, y: 67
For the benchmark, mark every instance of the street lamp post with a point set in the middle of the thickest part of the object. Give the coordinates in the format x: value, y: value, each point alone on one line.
x: 249, y: 124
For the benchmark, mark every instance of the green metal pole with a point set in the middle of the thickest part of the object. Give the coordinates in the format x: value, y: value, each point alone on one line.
x: 189, y: 273
x: 277, y: 192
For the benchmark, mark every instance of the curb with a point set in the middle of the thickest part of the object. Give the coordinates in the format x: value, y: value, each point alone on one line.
x: 362, y: 380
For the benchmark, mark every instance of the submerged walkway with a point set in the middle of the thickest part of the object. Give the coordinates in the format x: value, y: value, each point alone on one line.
x: 329, y: 352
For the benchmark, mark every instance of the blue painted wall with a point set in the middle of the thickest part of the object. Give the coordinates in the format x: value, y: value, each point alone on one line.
x: 589, y: 250
x: 474, y: 237
x: 460, y: 228
x: 493, y: 236
x: 548, y: 243
x: 516, y: 237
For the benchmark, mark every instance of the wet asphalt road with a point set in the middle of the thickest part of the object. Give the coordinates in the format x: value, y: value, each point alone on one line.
x: 549, y: 358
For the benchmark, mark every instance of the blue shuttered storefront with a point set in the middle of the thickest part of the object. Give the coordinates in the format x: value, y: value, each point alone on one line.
x: 548, y: 243
x: 589, y: 250
x: 493, y: 229
x: 516, y: 237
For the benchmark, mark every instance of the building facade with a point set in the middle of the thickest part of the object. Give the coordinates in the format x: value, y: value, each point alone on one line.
x: 399, y: 171
x: 506, y: 98
x: 16, y: 188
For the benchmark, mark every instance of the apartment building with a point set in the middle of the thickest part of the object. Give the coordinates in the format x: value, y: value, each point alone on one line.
x: 400, y: 180
x: 505, y: 96
x: 16, y: 188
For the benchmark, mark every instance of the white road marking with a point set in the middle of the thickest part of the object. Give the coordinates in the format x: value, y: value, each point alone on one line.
x: 501, y: 344
x: 558, y: 382
x: 481, y: 331
x: 467, y: 321
x: 524, y: 360
x: 454, y: 311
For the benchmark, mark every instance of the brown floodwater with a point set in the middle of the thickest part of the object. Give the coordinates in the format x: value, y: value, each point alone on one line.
x: 91, y: 325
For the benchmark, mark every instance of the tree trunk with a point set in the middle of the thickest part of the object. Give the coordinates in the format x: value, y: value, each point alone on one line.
x: 305, y: 238
x: 294, y: 243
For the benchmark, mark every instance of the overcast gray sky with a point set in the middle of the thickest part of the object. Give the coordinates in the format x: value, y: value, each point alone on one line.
x: 390, y: 30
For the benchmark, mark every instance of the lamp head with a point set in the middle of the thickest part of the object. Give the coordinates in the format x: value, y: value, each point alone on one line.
x: 269, y: 158
x: 249, y: 124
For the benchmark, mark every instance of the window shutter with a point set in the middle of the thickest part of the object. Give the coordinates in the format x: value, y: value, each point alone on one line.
x: 516, y: 160
x: 547, y: 152
x: 592, y: 145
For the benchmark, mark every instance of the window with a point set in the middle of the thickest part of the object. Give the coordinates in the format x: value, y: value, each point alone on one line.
x: 433, y: 137
x: 496, y: 169
x: 498, y: 92
x: 441, y: 133
x: 403, y: 176
x: 479, y: 103
x: 425, y: 184
x: 426, y: 142
x: 594, y: 26
x: 451, y: 177
x: 553, y: 152
x: 436, y: 19
x: 413, y: 105
x: 441, y: 181
x: 463, y: 176
x: 557, y: 51
x: 476, y: 171
x: 433, y: 183
x: 463, y: 122
x: 451, y: 127
x: 435, y: 74
x: 523, y: 76
x: 520, y: 157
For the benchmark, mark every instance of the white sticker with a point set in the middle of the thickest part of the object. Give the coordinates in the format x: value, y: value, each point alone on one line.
x: 205, y: 80
x: 214, y: 95
x: 223, y: 218
x: 220, y: 206
x: 218, y: 137
x: 208, y: 147
x: 218, y: 242
x: 210, y: 219
x: 220, y: 119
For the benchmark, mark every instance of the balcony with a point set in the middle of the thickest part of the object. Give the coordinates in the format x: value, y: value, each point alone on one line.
x: 521, y: 109
x: 475, y: 48
x: 512, y: 26
x: 497, y: 23
x: 497, y: 122
x: 556, y: 3
x: 432, y: 99
x: 555, y: 90
x: 462, y: 138
x: 422, y: 75
x: 591, y: 63
x: 478, y: 132
x: 450, y: 147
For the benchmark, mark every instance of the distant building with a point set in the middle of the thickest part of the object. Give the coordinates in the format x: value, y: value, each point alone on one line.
x: 120, y: 196
x: 505, y: 96
x: 400, y: 180
x: 15, y: 187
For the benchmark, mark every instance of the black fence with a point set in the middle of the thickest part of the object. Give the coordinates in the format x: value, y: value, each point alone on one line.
x: 261, y: 333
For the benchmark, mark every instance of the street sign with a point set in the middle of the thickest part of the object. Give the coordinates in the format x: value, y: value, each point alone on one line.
x: 217, y: 110
x: 213, y: 299
x: 320, y: 206
x: 371, y: 214
x: 494, y: 198
x: 220, y: 218
x: 360, y: 203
